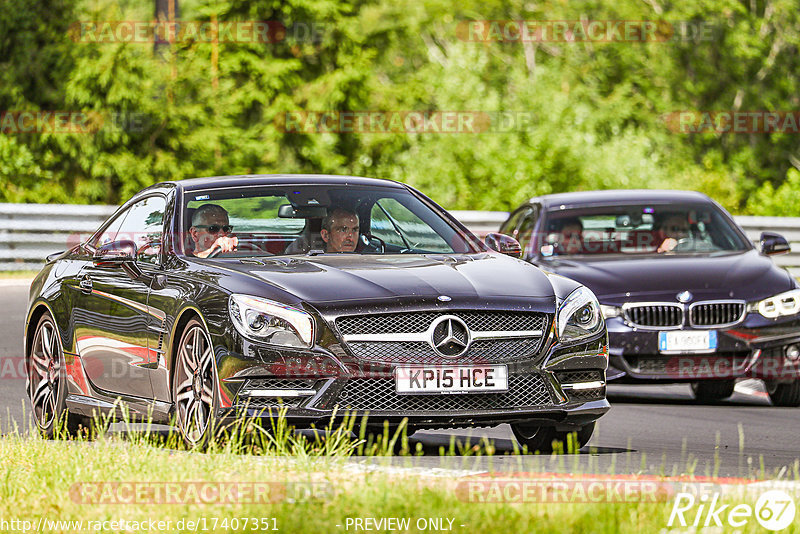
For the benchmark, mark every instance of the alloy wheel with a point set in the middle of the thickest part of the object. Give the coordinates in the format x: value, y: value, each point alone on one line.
x: 194, y: 379
x: 44, y: 372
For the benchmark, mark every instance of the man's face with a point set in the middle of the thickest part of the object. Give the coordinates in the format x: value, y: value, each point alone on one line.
x: 676, y: 227
x: 203, y: 234
x: 343, y: 236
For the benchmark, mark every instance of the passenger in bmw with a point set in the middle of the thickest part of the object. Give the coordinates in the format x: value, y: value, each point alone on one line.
x: 210, y: 231
x: 340, y: 230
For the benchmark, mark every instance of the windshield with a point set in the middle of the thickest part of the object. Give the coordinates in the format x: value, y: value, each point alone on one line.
x: 639, y: 229
x: 315, y: 219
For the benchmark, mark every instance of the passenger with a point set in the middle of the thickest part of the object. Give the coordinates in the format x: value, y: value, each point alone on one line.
x: 674, y: 228
x: 340, y: 230
x: 571, y: 237
x: 210, y: 231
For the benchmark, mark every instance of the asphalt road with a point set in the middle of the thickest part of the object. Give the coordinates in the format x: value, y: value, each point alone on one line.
x: 653, y: 429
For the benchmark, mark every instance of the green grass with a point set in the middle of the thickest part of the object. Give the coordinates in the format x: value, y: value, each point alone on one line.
x: 13, y: 275
x: 52, y: 479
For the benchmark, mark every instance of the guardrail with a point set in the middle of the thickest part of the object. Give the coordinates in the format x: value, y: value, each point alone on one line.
x: 29, y: 232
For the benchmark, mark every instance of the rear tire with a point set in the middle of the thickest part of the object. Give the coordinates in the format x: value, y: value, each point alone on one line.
x: 784, y: 395
x: 47, y: 384
x: 713, y: 390
x: 541, y: 439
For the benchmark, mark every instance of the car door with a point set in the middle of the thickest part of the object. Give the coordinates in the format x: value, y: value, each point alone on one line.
x: 112, y: 319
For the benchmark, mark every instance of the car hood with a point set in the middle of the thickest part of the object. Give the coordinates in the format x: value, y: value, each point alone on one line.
x: 350, y: 277
x: 742, y: 275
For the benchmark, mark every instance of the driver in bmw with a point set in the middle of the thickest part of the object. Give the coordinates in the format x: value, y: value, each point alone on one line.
x: 211, y: 231
x: 673, y: 228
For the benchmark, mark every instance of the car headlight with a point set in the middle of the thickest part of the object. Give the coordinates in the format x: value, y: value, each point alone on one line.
x: 579, y: 316
x: 270, y: 321
x: 779, y: 305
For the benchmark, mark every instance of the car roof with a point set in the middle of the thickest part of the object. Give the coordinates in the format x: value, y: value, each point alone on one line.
x: 244, y: 180
x: 619, y: 196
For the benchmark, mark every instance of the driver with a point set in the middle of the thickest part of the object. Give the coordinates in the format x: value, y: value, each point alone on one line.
x: 210, y: 231
x: 674, y: 228
x: 571, y: 238
x: 340, y: 230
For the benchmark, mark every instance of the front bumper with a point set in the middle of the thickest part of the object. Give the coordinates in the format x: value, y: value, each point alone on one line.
x: 559, y: 386
x: 755, y: 348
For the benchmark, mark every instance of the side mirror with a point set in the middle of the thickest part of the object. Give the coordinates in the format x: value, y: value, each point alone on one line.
x: 772, y: 243
x: 116, y: 252
x: 503, y: 244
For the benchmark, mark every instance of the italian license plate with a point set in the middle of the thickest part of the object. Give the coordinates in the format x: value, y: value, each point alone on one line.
x: 415, y: 380
x: 687, y: 341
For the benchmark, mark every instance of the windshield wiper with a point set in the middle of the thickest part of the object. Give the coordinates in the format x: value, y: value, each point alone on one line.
x: 396, y: 227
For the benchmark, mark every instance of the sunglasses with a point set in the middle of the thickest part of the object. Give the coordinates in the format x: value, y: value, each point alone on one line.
x: 215, y: 228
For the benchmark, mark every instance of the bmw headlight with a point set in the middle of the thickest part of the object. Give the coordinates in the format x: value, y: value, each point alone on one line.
x: 271, y: 322
x: 579, y: 316
x: 780, y: 305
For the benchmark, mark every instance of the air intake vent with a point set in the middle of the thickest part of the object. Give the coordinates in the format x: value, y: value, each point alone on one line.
x: 716, y: 314
x: 655, y: 315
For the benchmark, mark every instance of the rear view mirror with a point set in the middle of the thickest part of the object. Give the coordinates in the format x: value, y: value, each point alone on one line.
x: 772, y: 243
x: 287, y: 211
x: 503, y: 244
x: 117, y: 252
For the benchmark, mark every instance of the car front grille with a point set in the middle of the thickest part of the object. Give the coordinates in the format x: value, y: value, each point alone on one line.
x: 503, y: 336
x: 716, y: 314
x: 663, y: 315
x: 395, y: 323
x: 378, y: 395
x: 482, y: 351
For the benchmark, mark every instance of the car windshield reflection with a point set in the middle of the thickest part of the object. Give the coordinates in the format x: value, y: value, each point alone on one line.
x: 639, y: 229
x: 311, y: 220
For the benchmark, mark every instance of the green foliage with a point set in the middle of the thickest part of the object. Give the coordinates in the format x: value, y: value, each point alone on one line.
x: 781, y: 202
x: 594, y: 111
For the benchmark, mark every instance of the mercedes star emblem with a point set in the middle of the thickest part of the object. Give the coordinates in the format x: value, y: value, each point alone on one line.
x: 450, y: 336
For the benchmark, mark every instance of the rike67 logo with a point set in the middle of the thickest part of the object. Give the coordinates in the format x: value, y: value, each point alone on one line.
x: 774, y: 510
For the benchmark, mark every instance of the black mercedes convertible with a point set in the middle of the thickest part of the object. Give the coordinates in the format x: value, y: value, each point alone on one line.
x: 205, y: 300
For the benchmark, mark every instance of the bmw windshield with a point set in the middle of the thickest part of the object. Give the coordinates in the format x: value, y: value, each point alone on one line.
x: 640, y: 229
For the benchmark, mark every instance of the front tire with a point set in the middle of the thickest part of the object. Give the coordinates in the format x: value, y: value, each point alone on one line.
x: 713, y: 390
x: 194, y: 386
x: 541, y: 439
x: 784, y: 395
x: 47, y: 385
